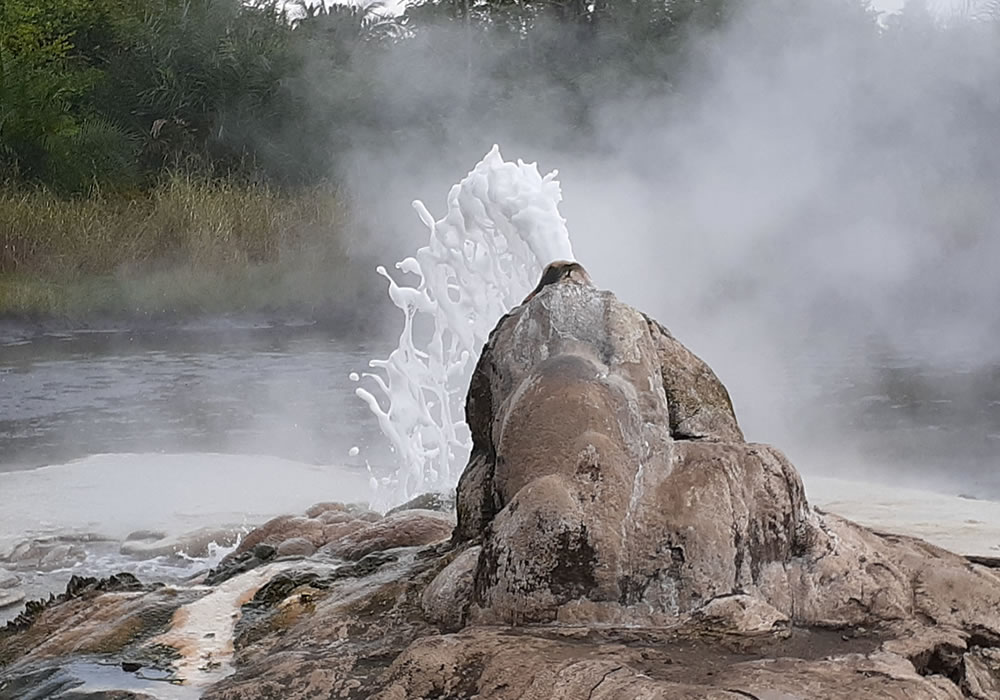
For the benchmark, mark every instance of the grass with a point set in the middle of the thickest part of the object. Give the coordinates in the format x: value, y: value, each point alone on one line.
x: 187, y: 247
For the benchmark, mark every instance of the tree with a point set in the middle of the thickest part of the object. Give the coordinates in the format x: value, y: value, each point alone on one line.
x: 48, y: 132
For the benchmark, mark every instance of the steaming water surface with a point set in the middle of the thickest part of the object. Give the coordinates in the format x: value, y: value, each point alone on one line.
x: 221, y: 425
x: 903, y: 420
x: 281, y: 391
x: 106, y: 433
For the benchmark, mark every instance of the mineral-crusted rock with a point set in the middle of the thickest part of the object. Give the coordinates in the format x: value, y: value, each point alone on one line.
x: 333, y: 517
x: 611, y: 501
x: 314, y: 511
x: 504, y: 664
x: 358, y: 510
x: 583, y: 482
x: 329, y: 523
x: 741, y: 614
x: 442, y: 502
x: 296, y: 547
x: 446, y: 598
x: 609, y: 482
x: 106, y: 616
x: 700, y: 407
x: 46, y: 554
x: 201, y: 632
x: 334, y: 531
x: 982, y: 673
x: 147, y: 545
x: 409, y: 528
x: 334, y: 640
x: 277, y: 530
x: 234, y: 564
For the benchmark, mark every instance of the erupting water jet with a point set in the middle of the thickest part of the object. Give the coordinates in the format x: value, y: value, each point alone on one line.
x: 502, y: 227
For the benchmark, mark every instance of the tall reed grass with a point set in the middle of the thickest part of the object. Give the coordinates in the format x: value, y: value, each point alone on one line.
x: 187, y: 246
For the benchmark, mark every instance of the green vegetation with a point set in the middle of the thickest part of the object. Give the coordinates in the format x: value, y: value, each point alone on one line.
x: 199, y: 145
x: 185, y: 246
x: 156, y: 157
x: 109, y: 94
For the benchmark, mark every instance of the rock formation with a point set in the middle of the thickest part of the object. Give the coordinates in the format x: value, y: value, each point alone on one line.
x: 610, y: 482
x: 616, y: 537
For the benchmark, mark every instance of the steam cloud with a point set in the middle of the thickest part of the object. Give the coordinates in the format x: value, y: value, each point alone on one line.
x: 810, y: 206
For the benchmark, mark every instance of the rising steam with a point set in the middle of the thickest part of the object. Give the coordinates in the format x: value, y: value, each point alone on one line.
x: 501, y: 228
x: 809, y: 204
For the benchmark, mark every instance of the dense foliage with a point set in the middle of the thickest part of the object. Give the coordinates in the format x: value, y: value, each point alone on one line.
x: 109, y: 94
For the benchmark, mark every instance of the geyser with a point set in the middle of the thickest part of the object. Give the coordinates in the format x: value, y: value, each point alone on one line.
x: 502, y: 227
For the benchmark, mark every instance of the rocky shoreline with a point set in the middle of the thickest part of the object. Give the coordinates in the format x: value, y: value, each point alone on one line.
x: 613, y: 536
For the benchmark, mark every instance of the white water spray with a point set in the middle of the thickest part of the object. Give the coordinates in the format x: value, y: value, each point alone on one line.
x: 502, y: 227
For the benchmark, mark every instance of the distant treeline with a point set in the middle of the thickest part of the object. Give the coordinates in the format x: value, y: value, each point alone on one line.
x: 107, y: 93
x: 224, y: 142
x: 110, y: 94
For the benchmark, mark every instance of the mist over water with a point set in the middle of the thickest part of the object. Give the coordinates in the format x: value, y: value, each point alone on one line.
x: 275, y: 390
x: 809, y: 205
x: 181, y: 439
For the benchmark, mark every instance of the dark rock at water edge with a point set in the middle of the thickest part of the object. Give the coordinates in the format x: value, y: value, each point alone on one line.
x: 441, y: 502
x: 75, y: 588
x: 239, y: 563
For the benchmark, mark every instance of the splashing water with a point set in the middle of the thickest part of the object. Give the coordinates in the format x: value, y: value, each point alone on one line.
x: 501, y: 229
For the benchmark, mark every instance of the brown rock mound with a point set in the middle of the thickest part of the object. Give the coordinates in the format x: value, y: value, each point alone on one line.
x: 611, y: 501
x: 284, y: 527
x: 610, y: 482
x: 409, y: 528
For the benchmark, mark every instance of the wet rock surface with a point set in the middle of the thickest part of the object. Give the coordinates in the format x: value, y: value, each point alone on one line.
x: 47, y: 553
x: 10, y: 594
x: 614, y: 537
x: 146, y: 545
x: 236, y: 564
x: 54, y: 646
x: 441, y: 502
x: 409, y: 528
